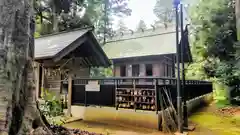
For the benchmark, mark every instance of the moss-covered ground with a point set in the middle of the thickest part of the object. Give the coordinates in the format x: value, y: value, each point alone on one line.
x: 215, y: 122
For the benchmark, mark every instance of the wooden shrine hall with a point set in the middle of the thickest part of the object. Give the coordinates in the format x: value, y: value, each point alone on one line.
x: 146, y: 53
x: 64, y: 55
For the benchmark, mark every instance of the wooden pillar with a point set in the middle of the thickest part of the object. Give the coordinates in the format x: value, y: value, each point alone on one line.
x: 37, y: 77
x: 69, y: 112
x: 117, y: 71
x: 129, y: 70
x: 43, y: 81
x: 173, y: 66
x: 157, y: 70
x: 142, y: 69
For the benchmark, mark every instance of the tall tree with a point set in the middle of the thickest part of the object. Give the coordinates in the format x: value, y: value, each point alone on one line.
x: 238, y: 18
x: 18, y: 103
x: 58, y: 15
x: 102, y: 12
x: 164, y: 11
x: 141, y: 25
x: 98, y: 13
x: 215, y: 40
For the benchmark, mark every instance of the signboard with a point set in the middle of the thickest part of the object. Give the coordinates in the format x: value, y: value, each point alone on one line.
x: 92, y: 86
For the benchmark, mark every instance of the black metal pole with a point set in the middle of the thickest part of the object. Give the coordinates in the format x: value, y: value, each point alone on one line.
x: 105, y: 20
x: 185, y: 115
x: 179, y: 98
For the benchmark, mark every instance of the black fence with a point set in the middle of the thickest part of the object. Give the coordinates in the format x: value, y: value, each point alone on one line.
x: 107, y: 96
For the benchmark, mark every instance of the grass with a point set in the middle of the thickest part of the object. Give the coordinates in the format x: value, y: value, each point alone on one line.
x: 220, y: 125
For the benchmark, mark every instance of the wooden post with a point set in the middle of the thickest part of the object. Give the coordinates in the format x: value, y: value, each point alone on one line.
x: 37, y: 74
x: 156, y: 95
x: 162, y: 110
x: 69, y: 113
x: 116, y: 92
x: 85, y: 101
x: 42, y: 83
x: 134, y: 89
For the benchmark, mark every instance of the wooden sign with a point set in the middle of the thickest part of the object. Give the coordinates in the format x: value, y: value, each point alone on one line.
x: 92, y: 86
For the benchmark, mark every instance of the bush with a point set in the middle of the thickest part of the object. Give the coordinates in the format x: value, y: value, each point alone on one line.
x: 51, y: 107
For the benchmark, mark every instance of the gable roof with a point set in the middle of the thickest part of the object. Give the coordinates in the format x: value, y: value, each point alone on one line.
x: 49, y: 45
x: 82, y: 42
x: 160, y: 41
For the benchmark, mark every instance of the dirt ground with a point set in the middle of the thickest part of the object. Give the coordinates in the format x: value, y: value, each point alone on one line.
x: 208, y: 121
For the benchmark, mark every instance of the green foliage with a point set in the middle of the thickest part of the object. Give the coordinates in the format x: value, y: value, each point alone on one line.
x: 214, y: 34
x: 51, y: 107
x: 101, y: 72
x: 65, y: 12
x: 215, y: 47
x: 36, y: 34
x: 97, y: 13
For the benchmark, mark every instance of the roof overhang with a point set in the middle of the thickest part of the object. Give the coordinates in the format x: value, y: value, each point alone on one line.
x: 86, y: 40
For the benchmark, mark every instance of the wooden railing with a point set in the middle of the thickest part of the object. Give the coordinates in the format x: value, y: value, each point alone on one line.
x: 136, y: 80
x: 111, y: 88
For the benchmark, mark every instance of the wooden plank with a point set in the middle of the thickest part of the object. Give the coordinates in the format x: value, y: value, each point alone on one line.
x: 37, y: 73
x: 69, y: 95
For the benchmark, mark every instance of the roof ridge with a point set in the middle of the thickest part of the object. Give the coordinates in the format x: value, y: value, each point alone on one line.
x: 143, y: 36
x: 139, y: 34
x: 66, y: 31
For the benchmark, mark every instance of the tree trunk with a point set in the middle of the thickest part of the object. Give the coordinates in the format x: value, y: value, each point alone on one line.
x: 55, y: 18
x: 237, y: 12
x: 18, y: 109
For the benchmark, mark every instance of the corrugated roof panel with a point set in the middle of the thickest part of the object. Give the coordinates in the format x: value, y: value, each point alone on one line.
x: 49, y: 46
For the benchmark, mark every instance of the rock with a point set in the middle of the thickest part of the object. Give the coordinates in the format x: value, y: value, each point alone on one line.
x: 59, y: 130
x: 39, y: 131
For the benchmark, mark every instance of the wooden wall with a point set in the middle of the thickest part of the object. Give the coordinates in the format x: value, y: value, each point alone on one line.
x: 159, y: 67
x: 52, y: 81
x: 80, y: 72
